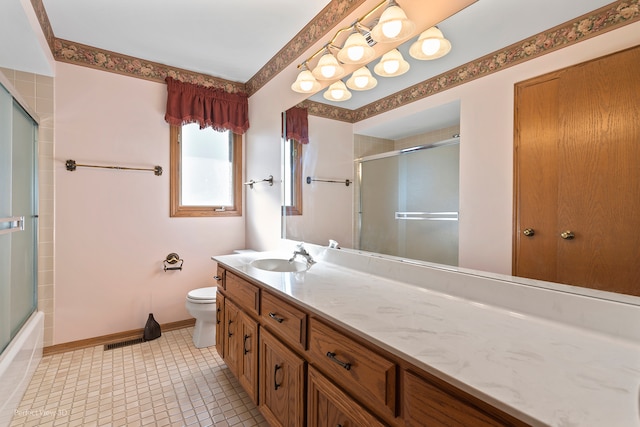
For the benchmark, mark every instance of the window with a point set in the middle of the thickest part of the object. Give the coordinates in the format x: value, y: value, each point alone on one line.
x: 206, y: 170
x: 293, y: 177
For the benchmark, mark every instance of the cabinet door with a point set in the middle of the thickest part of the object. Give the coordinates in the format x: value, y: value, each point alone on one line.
x: 233, y: 330
x: 328, y: 406
x: 248, y: 367
x: 220, y: 324
x: 282, y: 375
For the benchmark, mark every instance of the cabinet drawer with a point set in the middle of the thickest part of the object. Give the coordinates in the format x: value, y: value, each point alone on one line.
x: 426, y: 404
x: 284, y: 320
x: 219, y: 277
x: 370, y: 377
x: 243, y: 293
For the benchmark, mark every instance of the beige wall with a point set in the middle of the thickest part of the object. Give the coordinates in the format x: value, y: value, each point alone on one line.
x: 38, y: 93
x: 113, y: 228
x: 327, y: 208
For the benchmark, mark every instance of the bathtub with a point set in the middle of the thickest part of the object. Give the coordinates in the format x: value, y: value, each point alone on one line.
x: 18, y: 362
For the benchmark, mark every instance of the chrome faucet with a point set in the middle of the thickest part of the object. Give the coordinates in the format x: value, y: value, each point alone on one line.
x: 303, y: 253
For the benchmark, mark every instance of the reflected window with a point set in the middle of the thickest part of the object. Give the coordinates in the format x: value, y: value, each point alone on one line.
x: 206, y: 168
x: 292, y: 173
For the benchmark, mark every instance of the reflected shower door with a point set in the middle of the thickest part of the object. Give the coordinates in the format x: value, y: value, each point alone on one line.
x: 409, y: 204
x: 379, y: 188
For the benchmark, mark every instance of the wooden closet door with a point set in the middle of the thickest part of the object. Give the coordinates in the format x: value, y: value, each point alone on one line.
x: 577, y: 169
x: 599, y: 174
x: 536, y: 179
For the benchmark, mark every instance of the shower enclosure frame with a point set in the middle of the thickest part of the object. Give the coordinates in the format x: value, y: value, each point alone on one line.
x: 395, y: 207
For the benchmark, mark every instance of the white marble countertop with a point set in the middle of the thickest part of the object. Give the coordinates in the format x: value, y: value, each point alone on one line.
x: 538, y: 367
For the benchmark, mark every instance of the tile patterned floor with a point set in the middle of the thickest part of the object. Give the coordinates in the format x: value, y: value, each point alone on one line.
x: 164, y: 382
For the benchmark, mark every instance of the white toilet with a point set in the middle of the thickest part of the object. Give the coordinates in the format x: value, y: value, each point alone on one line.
x: 201, y: 304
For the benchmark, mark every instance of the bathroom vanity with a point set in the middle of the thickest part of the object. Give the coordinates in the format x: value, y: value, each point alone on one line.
x: 357, y: 339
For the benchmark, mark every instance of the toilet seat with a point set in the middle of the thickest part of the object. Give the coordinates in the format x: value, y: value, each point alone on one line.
x: 203, y: 295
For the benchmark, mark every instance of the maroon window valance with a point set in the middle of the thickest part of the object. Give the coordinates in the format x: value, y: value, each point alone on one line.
x: 209, y: 107
x: 297, y: 124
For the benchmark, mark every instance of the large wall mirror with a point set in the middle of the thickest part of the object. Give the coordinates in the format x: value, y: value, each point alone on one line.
x: 463, y: 144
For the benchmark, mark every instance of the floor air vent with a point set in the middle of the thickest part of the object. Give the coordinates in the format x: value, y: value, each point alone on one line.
x: 123, y: 343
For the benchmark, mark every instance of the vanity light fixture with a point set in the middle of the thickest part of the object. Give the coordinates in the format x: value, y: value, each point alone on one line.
x: 361, y: 79
x: 356, y: 49
x: 305, y: 82
x: 431, y: 44
x: 328, y: 67
x: 393, y: 25
x: 337, y: 92
x: 355, y: 45
x: 391, y: 64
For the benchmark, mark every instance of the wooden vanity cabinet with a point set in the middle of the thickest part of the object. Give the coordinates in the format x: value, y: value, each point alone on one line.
x: 304, y: 370
x: 282, y: 383
x: 329, y: 406
x: 240, y: 347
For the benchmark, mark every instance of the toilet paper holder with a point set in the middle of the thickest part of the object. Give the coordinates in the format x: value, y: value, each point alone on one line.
x: 173, y: 258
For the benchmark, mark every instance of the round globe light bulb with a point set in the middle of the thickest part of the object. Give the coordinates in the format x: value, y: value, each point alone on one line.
x: 328, y: 67
x: 430, y: 46
x: 391, y: 66
x: 328, y: 71
x: 355, y: 53
x: 393, y: 25
x: 361, y: 81
x: 337, y: 93
x: 306, y: 85
x: 391, y: 29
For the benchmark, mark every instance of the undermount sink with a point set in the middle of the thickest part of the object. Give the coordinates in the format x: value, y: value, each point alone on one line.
x: 279, y: 265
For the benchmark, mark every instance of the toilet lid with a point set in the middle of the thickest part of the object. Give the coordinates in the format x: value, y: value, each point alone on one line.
x: 203, y: 293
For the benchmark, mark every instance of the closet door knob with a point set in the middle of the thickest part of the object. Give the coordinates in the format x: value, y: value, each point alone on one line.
x: 567, y: 235
x: 528, y: 232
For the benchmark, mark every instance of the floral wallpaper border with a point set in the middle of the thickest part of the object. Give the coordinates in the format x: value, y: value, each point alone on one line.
x: 79, y: 54
x: 610, y: 17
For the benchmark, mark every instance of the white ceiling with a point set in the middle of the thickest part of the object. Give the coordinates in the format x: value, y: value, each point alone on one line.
x: 233, y: 39
x: 230, y: 39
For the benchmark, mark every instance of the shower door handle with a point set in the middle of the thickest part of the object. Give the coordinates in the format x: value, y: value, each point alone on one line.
x: 16, y: 223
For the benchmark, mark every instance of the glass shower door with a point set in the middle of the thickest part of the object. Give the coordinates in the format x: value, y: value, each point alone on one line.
x: 18, y: 217
x: 409, y: 204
